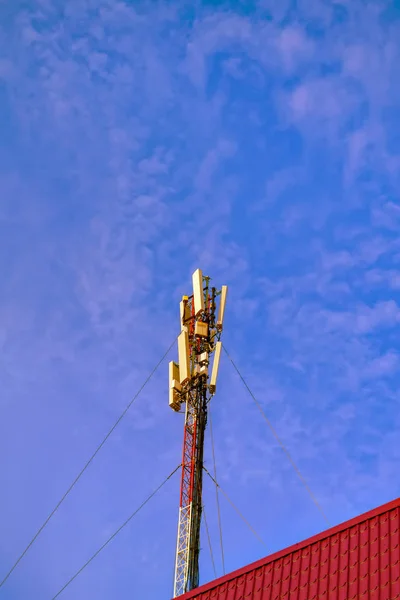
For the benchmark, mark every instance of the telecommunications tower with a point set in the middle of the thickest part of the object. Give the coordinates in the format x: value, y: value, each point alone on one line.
x: 191, y: 385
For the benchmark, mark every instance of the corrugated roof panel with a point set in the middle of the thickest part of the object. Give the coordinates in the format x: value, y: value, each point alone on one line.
x: 359, y: 559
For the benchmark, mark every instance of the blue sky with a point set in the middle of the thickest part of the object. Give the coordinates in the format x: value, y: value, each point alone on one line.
x: 259, y: 141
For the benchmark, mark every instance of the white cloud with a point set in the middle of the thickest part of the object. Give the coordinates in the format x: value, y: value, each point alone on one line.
x: 295, y: 47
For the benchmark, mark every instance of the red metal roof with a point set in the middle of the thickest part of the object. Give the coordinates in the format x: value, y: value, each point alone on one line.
x: 359, y: 559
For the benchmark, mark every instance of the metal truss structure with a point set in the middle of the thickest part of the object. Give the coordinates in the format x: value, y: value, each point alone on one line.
x: 191, y: 384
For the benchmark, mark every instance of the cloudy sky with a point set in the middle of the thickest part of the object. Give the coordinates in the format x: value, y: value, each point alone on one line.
x: 259, y: 141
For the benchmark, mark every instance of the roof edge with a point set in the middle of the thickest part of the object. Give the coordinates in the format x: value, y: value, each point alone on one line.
x: 298, y: 546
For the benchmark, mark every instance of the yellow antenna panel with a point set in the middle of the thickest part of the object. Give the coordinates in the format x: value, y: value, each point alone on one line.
x: 198, y: 295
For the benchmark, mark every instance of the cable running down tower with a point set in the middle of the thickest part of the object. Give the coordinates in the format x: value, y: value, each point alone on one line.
x: 191, y: 385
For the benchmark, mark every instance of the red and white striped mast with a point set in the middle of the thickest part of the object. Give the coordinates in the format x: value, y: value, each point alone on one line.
x: 190, y: 384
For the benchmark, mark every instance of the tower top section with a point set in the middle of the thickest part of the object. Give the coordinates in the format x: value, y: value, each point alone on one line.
x: 201, y: 323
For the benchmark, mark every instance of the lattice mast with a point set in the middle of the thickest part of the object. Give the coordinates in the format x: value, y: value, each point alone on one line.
x: 191, y: 385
